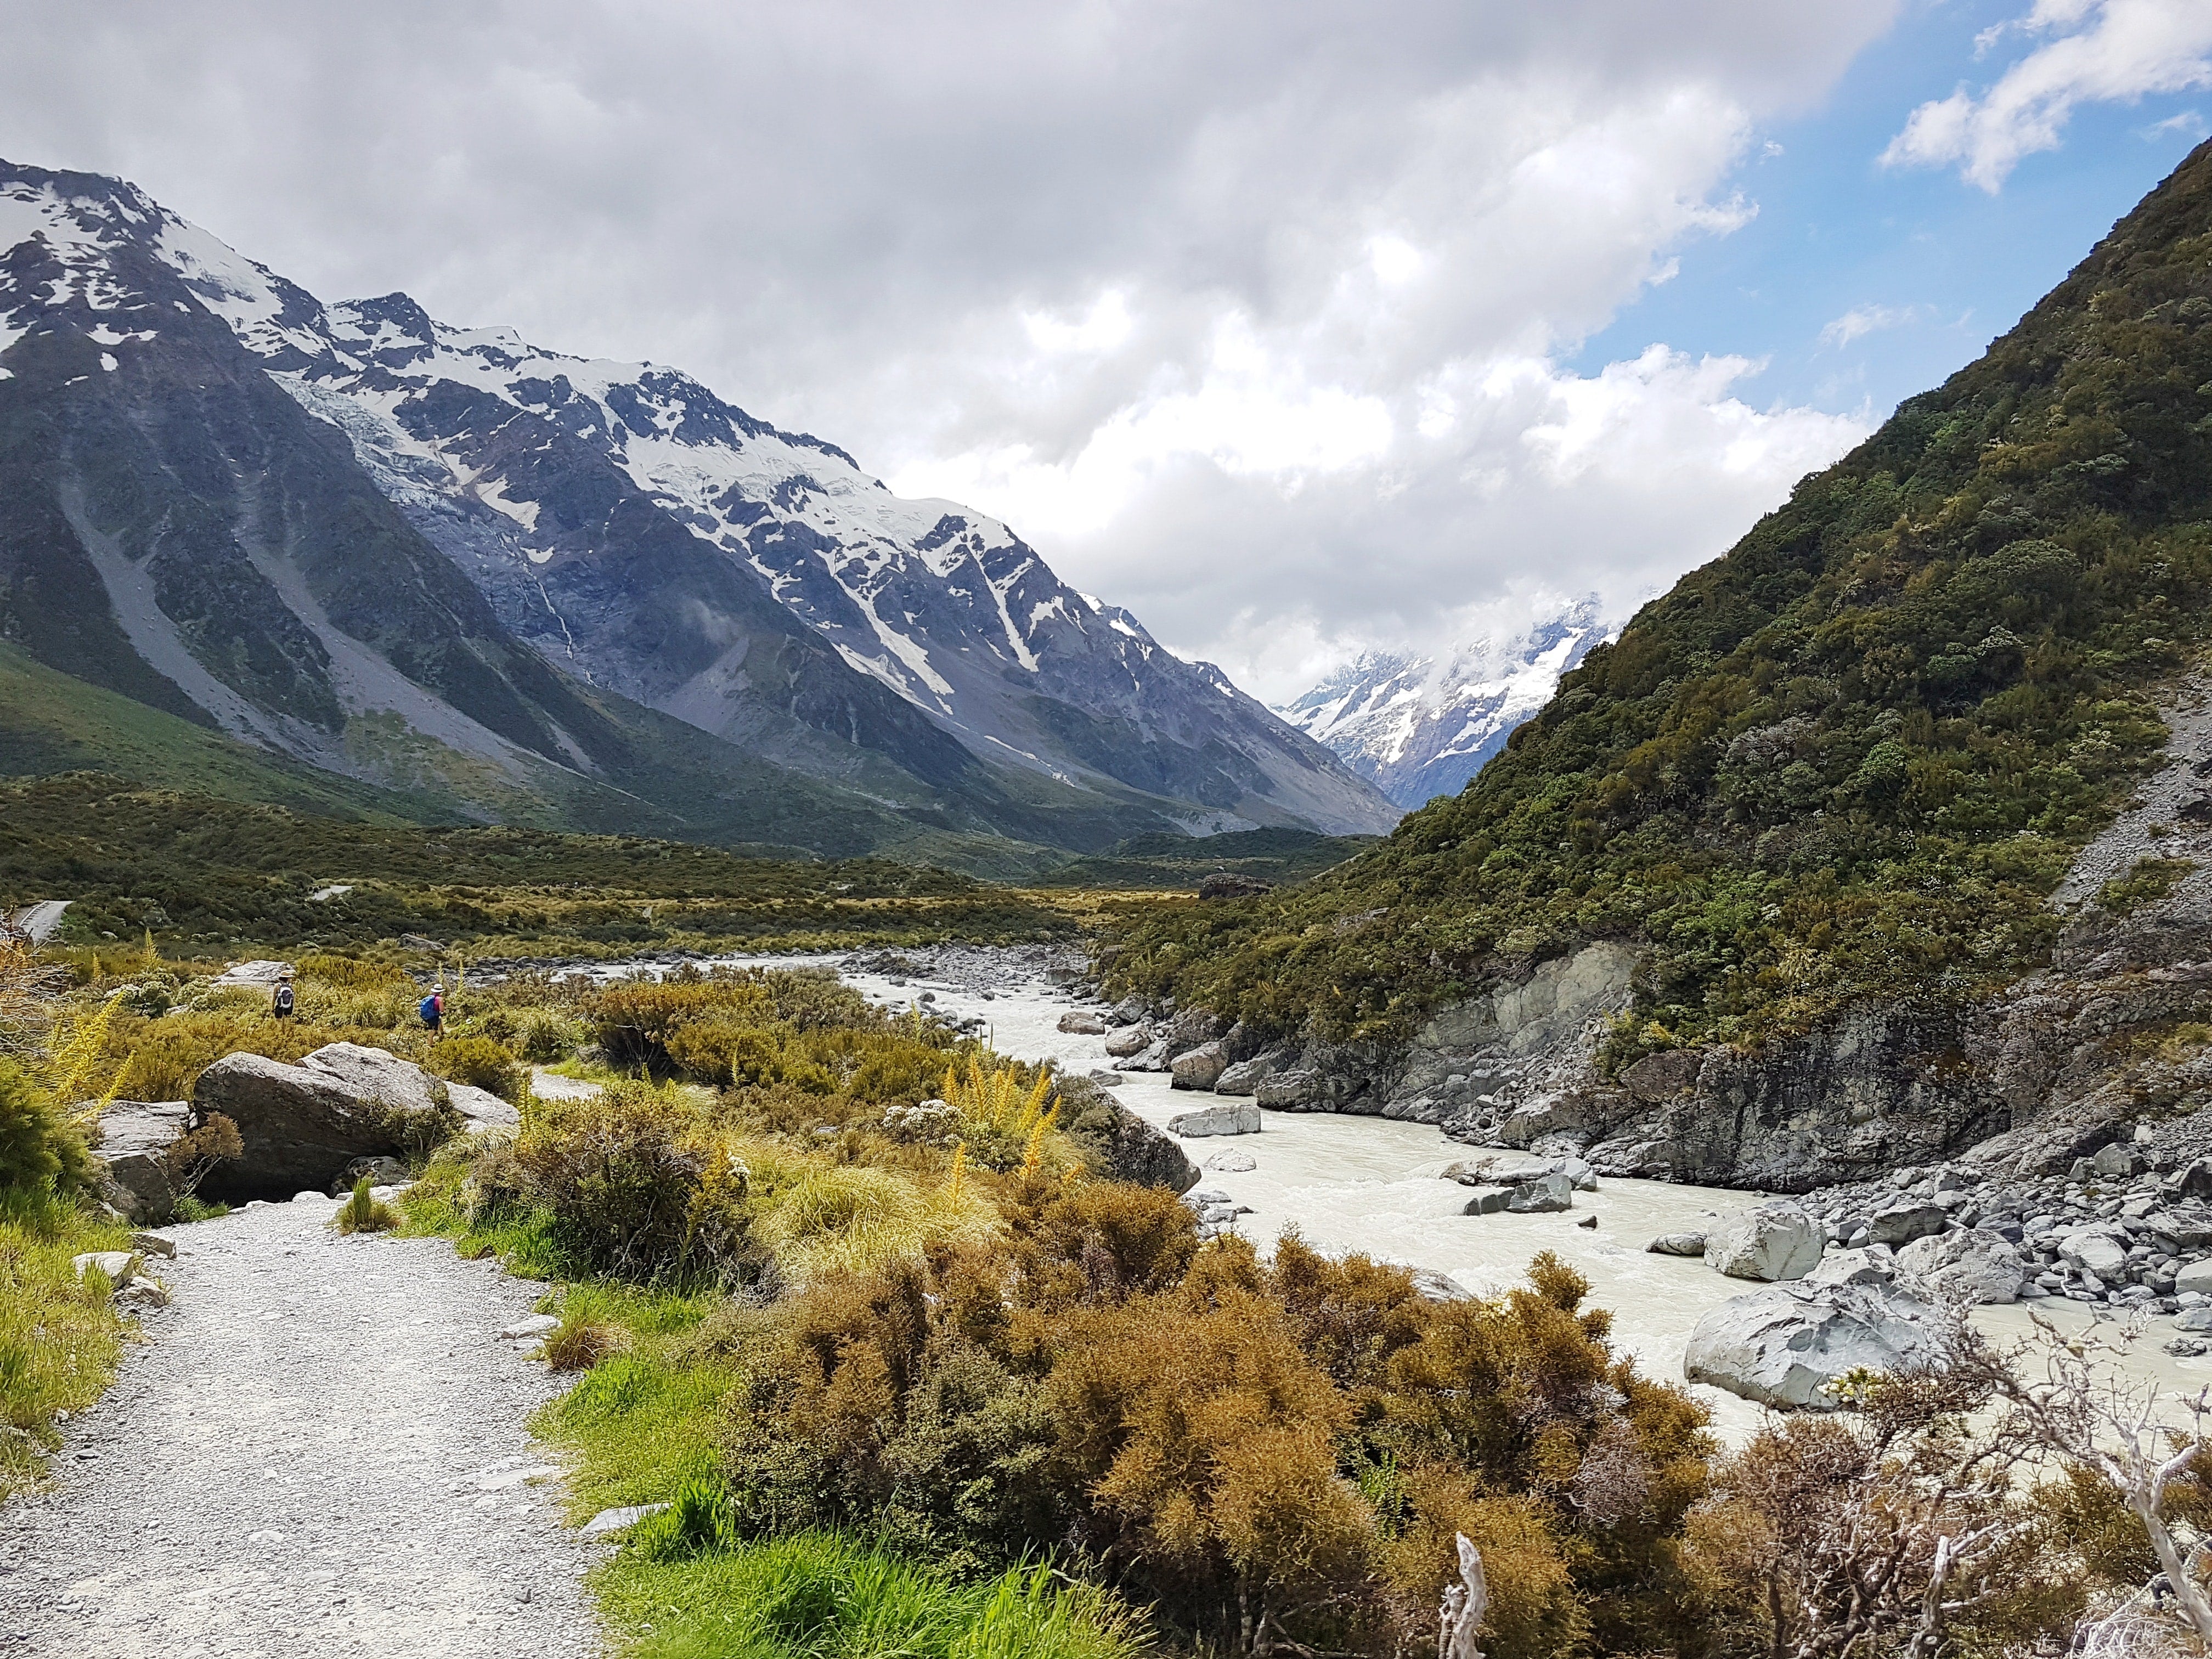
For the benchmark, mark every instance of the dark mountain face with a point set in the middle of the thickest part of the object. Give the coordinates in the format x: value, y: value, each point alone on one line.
x: 365, y: 539
x: 1847, y: 761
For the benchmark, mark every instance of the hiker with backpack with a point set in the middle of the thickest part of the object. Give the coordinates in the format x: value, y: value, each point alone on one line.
x: 281, y: 999
x: 433, y: 1009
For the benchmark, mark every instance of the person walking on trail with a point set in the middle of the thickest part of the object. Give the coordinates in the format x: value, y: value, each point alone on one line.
x: 280, y: 1000
x: 433, y: 1009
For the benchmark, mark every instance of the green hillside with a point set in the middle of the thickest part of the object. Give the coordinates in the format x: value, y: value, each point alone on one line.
x: 1851, y: 756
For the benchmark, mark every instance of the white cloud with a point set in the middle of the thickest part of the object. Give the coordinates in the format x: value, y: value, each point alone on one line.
x: 2098, y: 52
x: 1861, y: 320
x: 1249, y: 315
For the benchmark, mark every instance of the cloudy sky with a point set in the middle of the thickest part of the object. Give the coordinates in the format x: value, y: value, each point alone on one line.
x: 1298, y: 328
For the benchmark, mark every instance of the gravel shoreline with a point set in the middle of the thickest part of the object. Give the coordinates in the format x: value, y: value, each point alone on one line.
x: 321, y: 1447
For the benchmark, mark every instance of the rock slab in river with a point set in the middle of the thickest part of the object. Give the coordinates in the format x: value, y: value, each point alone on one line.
x: 1223, y: 1119
x: 1200, y: 1067
x: 1785, y: 1344
x: 1773, y: 1242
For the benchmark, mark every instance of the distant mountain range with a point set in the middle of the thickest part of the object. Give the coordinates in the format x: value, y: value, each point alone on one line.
x: 1418, y: 727
x: 493, y: 581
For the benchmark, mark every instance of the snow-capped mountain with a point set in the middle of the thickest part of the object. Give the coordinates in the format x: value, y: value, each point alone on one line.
x: 1421, y: 726
x: 649, y: 538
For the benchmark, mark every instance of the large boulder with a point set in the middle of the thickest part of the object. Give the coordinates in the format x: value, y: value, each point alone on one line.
x: 1127, y: 1148
x: 302, y: 1126
x: 1289, y: 1090
x: 378, y: 1075
x: 135, y: 1136
x: 1678, y: 1245
x: 2094, y: 1252
x: 1189, y: 1029
x: 1785, y: 1344
x: 1969, y: 1266
x: 1082, y: 1024
x: 1775, y: 1241
x: 1223, y: 1119
x: 1201, y: 1067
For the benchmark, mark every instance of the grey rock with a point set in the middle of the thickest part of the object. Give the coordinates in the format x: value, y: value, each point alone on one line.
x: 153, y: 1244
x: 607, y: 1523
x: 1132, y: 1040
x: 1433, y: 1286
x: 2196, y: 1278
x: 249, y: 975
x: 1232, y: 1162
x: 1125, y: 1147
x: 1082, y: 1024
x: 1783, y: 1345
x: 1774, y: 1242
x: 300, y: 1125
x: 533, y: 1324
x: 1677, y: 1245
x: 2193, y: 1319
x: 1129, y: 1010
x: 1489, y: 1202
x: 380, y: 1075
x: 141, y: 1295
x: 2097, y: 1252
x: 1900, y: 1223
x: 2116, y: 1162
x: 1544, y: 1195
x: 134, y: 1173
x: 1245, y: 1077
x: 1225, y: 1120
x: 1662, y: 1077
x: 1972, y: 1267
x: 119, y: 1266
x: 1289, y: 1090
x: 1200, y: 1067
x: 1106, y: 1079
x: 1854, y: 1267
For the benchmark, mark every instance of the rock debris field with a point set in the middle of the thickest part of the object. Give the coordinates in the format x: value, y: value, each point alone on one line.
x: 321, y: 1447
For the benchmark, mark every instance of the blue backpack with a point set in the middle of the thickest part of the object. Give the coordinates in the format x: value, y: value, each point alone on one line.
x: 429, y: 1009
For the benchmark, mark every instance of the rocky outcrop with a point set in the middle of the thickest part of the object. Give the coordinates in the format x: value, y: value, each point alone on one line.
x: 1787, y: 1346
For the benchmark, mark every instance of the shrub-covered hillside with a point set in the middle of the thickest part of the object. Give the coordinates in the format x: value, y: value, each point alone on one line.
x: 1848, y: 758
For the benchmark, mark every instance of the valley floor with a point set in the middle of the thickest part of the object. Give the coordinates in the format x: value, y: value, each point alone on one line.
x: 321, y: 1447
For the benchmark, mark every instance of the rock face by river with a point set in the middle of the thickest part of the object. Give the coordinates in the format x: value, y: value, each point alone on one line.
x: 2106, y: 1043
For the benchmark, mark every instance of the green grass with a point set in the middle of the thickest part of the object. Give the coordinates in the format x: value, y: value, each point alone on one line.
x: 639, y: 1424
x: 60, y: 1336
x: 820, y: 1595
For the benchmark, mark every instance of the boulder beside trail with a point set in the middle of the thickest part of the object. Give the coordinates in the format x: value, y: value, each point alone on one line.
x: 135, y: 1137
x: 1775, y: 1241
x: 1784, y: 1345
x: 301, y: 1126
x: 1223, y: 1119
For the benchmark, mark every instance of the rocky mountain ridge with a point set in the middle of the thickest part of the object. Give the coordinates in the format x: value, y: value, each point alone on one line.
x: 616, y: 525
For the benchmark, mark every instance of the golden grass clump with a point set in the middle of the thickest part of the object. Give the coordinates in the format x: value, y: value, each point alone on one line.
x: 365, y: 1213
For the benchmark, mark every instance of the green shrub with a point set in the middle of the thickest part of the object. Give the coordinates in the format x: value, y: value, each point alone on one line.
x: 547, y: 1039
x: 481, y: 1063
x: 38, y: 1149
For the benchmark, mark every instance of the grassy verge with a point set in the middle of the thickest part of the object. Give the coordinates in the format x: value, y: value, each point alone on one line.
x: 60, y: 1336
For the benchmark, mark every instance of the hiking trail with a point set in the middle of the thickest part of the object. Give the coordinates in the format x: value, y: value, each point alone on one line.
x: 321, y: 1447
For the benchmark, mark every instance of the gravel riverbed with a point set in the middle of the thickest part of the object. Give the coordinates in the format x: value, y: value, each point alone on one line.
x: 322, y: 1448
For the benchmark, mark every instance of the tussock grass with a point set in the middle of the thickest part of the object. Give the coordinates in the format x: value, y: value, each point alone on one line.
x: 365, y: 1213
x: 821, y: 1596
x: 60, y: 1336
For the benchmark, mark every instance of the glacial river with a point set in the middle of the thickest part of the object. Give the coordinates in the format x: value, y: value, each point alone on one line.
x: 1368, y: 1184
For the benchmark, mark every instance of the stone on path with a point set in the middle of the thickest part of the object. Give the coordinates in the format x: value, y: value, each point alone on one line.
x: 609, y: 1521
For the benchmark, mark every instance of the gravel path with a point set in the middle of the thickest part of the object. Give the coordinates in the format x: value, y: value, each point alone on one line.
x: 320, y: 1449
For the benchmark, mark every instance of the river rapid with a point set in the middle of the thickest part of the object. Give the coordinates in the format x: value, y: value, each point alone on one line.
x: 1368, y: 1184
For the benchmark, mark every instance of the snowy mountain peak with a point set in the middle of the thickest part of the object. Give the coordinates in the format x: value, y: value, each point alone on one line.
x: 651, y: 537
x: 1421, y: 726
